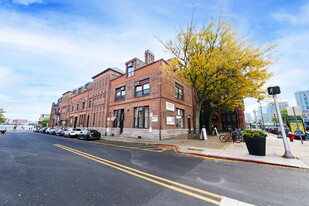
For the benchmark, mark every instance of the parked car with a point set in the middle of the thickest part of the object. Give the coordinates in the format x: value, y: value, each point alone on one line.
x: 60, y: 132
x: 274, y: 130
x: 43, y: 129
x: 37, y: 129
x: 48, y: 129
x: 72, y: 132
x: 89, y: 135
x: 306, y: 125
x: 52, y: 131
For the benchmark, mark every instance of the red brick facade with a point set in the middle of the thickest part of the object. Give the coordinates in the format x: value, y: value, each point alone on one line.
x: 138, y: 103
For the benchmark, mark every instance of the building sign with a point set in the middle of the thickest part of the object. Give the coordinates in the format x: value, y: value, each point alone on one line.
x: 170, y: 106
x: 154, y: 118
x: 170, y: 120
x: 294, y: 129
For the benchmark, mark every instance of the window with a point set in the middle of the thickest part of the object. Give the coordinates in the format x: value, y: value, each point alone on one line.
x: 178, y: 91
x: 130, y: 70
x: 72, y: 107
x: 90, y: 102
x: 141, y: 117
x: 77, y: 106
x: 83, y: 104
x: 120, y: 93
x: 142, y: 88
x: 179, y: 118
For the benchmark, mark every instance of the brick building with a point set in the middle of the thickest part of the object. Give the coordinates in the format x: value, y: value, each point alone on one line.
x: 136, y: 103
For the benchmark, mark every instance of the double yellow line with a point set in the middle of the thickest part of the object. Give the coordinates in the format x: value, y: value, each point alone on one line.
x: 150, y: 177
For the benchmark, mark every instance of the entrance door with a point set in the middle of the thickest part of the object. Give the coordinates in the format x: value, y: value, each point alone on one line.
x: 75, y: 122
x: 229, y: 120
x: 118, y: 122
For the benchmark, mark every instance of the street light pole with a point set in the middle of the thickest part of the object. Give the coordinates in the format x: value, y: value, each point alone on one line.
x: 287, y: 153
x: 263, y: 125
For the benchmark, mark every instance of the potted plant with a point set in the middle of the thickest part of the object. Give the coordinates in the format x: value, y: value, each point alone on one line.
x: 255, y: 142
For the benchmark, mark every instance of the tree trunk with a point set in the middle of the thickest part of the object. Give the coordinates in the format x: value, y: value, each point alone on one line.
x: 197, y: 120
x: 209, y: 125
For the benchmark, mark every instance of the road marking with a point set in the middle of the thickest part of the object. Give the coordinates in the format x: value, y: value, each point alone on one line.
x: 153, y: 149
x: 140, y: 175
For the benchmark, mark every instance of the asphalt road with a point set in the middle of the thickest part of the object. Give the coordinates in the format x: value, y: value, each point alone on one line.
x: 38, y: 169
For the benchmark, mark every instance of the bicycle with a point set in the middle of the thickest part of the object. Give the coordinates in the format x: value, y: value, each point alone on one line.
x: 234, y: 136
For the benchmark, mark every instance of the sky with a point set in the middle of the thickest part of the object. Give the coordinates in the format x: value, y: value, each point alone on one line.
x: 48, y: 47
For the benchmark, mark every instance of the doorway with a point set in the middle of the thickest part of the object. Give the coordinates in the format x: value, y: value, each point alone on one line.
x: 75, y: 122
x: 229, y: 120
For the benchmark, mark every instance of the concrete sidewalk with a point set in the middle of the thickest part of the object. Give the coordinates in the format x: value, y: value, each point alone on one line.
x: 212, y: 147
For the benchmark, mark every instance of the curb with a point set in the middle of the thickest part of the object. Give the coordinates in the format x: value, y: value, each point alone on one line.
x: 230, y: 158
x: 215, y: 156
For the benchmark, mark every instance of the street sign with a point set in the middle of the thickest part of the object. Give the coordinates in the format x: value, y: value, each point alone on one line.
x: 294, y: 128
x: 297, y: 109
x: 273, y: 90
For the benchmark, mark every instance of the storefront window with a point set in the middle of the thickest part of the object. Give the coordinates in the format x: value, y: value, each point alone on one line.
x: 141, y: 117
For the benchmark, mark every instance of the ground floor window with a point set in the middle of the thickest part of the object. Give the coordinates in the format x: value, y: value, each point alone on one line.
x: 141, y: 117
x: 179, y: 118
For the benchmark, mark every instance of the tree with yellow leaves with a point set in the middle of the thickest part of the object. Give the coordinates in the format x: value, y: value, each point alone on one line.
x: 221, y: 67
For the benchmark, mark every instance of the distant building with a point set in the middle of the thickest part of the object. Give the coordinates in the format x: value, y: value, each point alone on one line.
x: 266, y: 116
x: 248, y: 117
x: 43, y: 117
x: 302, y: 99
x: 19, y: 121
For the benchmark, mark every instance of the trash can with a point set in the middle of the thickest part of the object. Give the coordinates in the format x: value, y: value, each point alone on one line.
x: 291, y: 137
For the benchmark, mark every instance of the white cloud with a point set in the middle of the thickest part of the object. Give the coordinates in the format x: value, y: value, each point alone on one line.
x: 27, y: 2
x: 299, y: 18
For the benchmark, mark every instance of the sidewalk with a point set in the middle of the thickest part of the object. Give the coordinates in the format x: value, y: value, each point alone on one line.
x: 212, y: 147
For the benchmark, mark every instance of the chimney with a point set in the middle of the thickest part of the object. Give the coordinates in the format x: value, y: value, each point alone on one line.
x: 149, y: 57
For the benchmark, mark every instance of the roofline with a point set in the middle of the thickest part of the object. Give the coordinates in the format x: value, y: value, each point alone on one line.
x: 66, y: 92
x: 106, y: 70
x: 143, y: 67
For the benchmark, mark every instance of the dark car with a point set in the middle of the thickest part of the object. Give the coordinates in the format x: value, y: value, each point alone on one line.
x: 89, y: 135
x: 43, y: 129
x: 3, y: 131
x: 60, y: 132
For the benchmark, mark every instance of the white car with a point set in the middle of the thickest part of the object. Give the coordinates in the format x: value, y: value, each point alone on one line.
x: 72, y: 132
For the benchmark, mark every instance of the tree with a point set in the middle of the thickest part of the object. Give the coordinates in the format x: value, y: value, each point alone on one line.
x: 285, y: 117
x: 221, y: 67
x: 44, y: 122
x: 2, y: 119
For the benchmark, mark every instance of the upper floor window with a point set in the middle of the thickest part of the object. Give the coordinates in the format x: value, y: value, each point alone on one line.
x: 178, y: 91
x: 130, y: 72
x: 142, y: 88
x: 120, y: 93
x: 83, y: 104
x: 90, y: 102
x: 72, y: 107
x: 77, y: 106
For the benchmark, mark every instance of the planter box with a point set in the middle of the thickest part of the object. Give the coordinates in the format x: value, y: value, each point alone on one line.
x: 256, y: 145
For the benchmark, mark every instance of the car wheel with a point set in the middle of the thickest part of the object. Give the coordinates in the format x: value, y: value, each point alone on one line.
x: 69, y: 136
